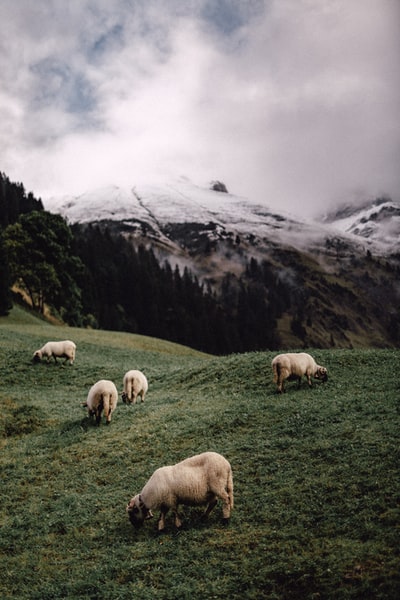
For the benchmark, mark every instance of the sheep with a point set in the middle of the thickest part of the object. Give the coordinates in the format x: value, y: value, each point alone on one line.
x: 293, y: 366
x: 103, y: 395
x: 64, y: 349
x: 135, y: 384
x: 198, y: 480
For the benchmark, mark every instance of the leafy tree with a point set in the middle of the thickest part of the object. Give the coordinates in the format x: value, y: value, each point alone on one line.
x: 41, y: 262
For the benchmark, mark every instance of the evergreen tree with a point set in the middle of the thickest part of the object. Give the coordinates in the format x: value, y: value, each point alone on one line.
x: 14, y: 201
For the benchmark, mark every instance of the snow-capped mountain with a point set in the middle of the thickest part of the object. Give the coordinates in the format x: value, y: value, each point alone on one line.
x: 329, y: 277
x: 157, y: 208
x: 377, y: 221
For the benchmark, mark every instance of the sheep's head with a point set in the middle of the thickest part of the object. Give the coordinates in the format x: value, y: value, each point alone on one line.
x: 137, y: 511
x: 124, y: 397
x: 322, y: 374
x: 37, y: 356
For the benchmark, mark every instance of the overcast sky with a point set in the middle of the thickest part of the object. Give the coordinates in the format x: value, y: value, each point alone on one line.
x: 292, y: 103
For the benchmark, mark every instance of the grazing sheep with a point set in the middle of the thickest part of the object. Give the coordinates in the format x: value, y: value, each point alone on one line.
x: 102, y: 396
x: 65, y: 349
x: 135, y: 384
x: 199, y: 480
x: 293, y: 366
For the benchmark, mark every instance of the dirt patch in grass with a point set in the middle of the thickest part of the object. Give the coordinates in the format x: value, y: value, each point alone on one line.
x: 20, y: 420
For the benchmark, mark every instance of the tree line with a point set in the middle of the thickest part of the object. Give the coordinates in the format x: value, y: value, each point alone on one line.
x: 128, y: 289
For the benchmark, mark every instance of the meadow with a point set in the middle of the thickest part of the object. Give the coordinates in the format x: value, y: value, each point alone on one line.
x: 316, y: 473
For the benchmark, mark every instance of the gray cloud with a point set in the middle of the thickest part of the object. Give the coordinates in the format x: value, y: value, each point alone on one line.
x: 293, y: 103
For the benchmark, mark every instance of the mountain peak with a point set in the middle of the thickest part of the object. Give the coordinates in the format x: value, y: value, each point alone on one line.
x: 377, y: 221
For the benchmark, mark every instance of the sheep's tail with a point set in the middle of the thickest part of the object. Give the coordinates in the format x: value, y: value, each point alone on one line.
x: 229, y: 488
x: 106, y: 405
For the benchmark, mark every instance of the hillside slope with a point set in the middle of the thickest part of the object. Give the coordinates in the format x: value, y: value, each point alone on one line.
x: 315, y: 474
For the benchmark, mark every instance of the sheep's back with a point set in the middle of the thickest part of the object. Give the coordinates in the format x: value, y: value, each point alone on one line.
x: 187, y: 482
x: 103, y: 386
x: 294, y: 363
x: 136, y: 379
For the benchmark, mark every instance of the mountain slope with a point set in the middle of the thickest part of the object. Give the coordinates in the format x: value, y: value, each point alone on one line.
x: 326, y: 281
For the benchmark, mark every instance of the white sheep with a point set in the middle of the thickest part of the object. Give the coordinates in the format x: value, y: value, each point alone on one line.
x: 102, y: 396
x: 293, y: 366
x: 135, y: 384
x: 198, y: 480
x: 65, y: 349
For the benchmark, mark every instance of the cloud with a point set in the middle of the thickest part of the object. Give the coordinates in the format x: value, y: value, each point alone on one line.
x: 293, y: 103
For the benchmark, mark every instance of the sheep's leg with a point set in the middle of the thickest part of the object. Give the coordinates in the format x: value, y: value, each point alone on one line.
x: 99, y: 410
x: 226, y: 506
x: 210, y: 506
x: 178, y: 520
x: 278, y: 379
x: 161, y: 519
x: 309, y: 379
x: 299, y: 381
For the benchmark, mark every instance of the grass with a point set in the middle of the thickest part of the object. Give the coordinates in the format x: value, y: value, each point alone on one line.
x: 316, y: 473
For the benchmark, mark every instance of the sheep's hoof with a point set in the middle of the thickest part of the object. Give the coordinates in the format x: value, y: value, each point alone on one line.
x: 225, y: 521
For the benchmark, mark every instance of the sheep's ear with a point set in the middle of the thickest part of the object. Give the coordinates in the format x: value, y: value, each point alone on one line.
x: 131, y: 504
x: 149, y: 515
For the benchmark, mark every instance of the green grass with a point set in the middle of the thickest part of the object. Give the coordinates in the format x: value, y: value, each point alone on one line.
x: 316, y: 473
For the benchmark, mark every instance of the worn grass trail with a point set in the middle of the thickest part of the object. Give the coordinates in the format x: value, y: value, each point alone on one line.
x: 316, y: 473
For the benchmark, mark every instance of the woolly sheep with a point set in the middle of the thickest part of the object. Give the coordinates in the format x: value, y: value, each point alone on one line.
x: 102, y: 396
x: 198, y: 480
x: 135, y: 384
x: 65, y: 349
x: 293, y: 366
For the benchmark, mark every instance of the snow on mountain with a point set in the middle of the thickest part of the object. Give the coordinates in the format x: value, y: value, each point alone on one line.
x: 374, y: 226
x: 378, y: 221
x: 109, y: 203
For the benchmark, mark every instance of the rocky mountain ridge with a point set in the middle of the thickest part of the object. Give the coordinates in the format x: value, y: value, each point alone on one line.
x: 154, y: 210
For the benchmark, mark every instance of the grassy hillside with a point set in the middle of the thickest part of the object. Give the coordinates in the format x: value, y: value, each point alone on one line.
x: 316, y: 473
